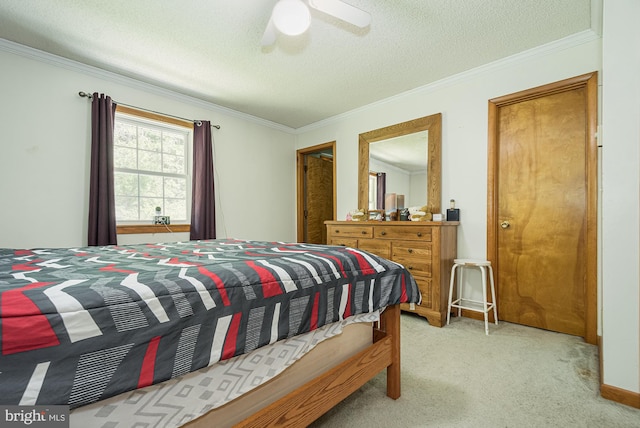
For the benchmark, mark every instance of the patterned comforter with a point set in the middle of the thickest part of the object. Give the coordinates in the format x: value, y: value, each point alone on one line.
x: 82, y: 324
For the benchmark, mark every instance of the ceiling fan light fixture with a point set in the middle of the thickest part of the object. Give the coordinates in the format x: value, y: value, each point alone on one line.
x: 291, y: 17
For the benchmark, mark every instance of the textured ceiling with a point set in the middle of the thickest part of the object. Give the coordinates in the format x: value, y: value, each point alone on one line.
x: 210, y: 49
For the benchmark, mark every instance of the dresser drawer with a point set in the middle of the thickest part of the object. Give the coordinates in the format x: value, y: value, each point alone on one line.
x: 418, y: 233
x: 378, y: 247
x: 414, y: 265
x: 426, y: 290
x: 410, y: 250
x: 349, y: 231
x: 414, y: 255
x: 345, y: 242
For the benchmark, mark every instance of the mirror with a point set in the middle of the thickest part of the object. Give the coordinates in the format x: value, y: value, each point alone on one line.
x: 399, y: 165
x: 370, y: 154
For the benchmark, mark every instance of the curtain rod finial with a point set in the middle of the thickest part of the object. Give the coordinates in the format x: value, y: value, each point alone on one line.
x: 85, y: 95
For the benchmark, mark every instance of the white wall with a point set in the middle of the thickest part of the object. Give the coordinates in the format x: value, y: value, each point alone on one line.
x: 620, y: 194
x: 45, y: 147
x: 463, y: 102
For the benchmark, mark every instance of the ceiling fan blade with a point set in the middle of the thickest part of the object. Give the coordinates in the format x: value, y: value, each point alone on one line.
x: 343, y: 11
x: 270, y: 34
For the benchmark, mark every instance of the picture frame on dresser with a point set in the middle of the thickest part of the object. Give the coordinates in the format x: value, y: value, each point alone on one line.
x: 376, y: 215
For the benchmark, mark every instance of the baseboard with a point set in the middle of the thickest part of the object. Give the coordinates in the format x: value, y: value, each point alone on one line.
x: 619, y: 395
x: 475, y: 315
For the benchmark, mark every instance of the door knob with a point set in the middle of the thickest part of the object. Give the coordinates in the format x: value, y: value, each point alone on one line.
x: 505, y: 224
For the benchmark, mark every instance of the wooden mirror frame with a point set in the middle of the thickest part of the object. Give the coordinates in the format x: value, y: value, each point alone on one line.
x: 433, y: 124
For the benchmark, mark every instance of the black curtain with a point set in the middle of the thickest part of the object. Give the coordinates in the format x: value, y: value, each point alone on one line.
x: 102, y: 208
x: 381, y: 181
x: 203, y: 212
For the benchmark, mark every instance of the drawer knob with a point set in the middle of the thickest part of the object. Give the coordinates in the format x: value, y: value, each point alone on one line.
x: 337, y: 230
x: 410, y: 250
x: 410, y: 267
x: 364, y: 232
x: 419, y: 233
x: 383, y: 233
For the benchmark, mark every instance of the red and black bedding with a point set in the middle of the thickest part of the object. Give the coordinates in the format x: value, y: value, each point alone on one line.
x: 79, y: 325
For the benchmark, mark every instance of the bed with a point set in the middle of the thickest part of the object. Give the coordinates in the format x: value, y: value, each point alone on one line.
x: 87, y: 326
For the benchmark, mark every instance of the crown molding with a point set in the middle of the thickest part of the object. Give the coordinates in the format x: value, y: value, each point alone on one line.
x: 58, y: 61
x: 552, y: 47
x: 555, y: 46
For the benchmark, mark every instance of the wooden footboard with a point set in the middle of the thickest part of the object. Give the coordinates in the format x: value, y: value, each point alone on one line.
x: 312, y: 400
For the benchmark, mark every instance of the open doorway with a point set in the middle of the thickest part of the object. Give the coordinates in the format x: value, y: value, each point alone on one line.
x: 316, y: 192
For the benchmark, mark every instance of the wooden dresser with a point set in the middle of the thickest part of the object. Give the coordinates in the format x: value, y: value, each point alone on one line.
x: 426, y: 249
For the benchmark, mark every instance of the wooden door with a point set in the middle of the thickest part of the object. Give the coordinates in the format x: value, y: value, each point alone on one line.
x: 316, y: 192
x: 543, y: 191
x: 318, y: 188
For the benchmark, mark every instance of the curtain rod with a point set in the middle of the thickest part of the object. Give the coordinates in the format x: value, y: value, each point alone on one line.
x: 196, y: 122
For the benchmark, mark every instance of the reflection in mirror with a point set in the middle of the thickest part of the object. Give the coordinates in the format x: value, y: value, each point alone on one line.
x: 426, y: 129
x: 399, y: 166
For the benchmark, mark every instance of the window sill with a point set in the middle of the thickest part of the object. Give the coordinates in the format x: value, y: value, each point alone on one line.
x: 151, y: 228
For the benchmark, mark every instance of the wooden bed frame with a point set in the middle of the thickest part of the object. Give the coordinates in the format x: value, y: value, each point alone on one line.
x: 307, y: 403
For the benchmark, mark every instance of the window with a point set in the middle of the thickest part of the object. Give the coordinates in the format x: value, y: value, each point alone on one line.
x: 151, y: 168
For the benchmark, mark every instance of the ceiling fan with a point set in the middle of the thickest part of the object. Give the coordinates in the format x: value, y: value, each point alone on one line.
x: 292, y: 17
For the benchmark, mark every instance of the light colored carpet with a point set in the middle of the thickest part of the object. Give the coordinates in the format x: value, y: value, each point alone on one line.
x: 456, y: 376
